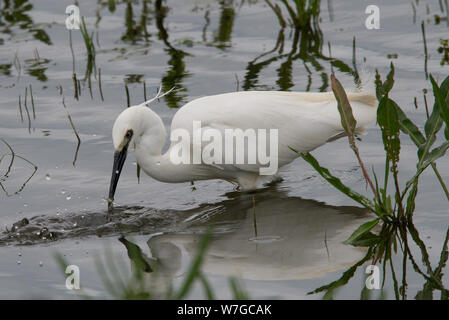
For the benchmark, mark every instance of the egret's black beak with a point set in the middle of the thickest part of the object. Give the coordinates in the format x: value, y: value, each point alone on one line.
x: 119, y: 160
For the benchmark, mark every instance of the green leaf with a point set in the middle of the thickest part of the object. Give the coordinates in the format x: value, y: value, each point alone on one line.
x: 347, y: 275
x: 440, y: 101
x: 347, y: 118
x: 408, y: 127
x: 434, y: 155
x: 433, y: 124
x: 431, y: 128
x: 136, y: 256
x: 411, y: 200
x: 382, y: 89
x: 389, y: 124
x: 389, y: 82
x: 336, y: 182
x: 367, y: 240
x: 361, y: 231
x: 378, y: 83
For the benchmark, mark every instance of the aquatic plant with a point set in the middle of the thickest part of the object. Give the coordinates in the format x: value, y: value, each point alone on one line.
x: 394, y: 210
x: 90, y: 49
x: 12, y: 156
x: 78, y: 139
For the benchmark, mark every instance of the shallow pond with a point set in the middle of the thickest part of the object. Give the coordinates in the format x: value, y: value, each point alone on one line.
x: 202, y: 47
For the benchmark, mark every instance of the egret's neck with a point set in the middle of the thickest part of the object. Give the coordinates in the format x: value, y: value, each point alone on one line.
x: 148, y: 152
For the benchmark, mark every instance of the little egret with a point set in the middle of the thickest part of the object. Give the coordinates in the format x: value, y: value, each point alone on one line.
x: 303, y: 120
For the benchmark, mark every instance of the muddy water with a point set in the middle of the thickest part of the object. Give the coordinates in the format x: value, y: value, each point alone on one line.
x: 201, y: 47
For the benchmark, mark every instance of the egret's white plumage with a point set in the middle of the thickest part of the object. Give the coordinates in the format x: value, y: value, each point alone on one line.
x: 304, y: 121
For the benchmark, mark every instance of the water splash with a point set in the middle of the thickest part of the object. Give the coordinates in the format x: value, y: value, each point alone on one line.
x: 125, y: 220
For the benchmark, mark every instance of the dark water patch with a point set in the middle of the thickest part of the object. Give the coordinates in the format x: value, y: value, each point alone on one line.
x: 125, y: 220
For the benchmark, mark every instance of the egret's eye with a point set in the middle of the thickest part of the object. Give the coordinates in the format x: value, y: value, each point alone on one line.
x: 129, y: 134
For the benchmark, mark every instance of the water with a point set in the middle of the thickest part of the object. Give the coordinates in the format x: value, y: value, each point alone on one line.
x: 201, y: 47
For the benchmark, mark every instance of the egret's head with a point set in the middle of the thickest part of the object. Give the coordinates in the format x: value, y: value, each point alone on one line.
x: 129, y: 125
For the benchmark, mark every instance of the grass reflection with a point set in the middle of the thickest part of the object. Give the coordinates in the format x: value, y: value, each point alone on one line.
x: 15, y: 13
x: 302, y: 18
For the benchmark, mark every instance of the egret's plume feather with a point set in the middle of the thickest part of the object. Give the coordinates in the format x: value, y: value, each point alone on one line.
x: 158, y: 95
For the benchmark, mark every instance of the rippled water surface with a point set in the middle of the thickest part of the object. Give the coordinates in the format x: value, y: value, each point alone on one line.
x: 201, y: 47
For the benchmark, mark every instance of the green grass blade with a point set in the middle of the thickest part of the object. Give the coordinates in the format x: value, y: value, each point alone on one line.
x: 336, y: 182
x: 194, y: 269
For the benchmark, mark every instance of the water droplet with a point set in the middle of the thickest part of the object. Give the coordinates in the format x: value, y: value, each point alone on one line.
x: 20, y: 254
x: 75, y: 224
x: 158, y: 163
x: 116, y: 171
x: 47, y: 177
x: 68, y: 197
x: 41, y: 263
x: 19, y: 262
x: 63, y: 191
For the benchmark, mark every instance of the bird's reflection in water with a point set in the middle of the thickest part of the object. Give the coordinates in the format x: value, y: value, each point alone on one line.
x: 281, y: 238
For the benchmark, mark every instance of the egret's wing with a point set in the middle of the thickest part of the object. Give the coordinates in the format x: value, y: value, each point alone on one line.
x: 304, y: 121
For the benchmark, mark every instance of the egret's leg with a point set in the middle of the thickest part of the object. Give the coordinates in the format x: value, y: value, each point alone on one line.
x: 274, y: 181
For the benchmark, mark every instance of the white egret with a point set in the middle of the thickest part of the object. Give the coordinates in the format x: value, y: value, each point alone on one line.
x: 304, y: 122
